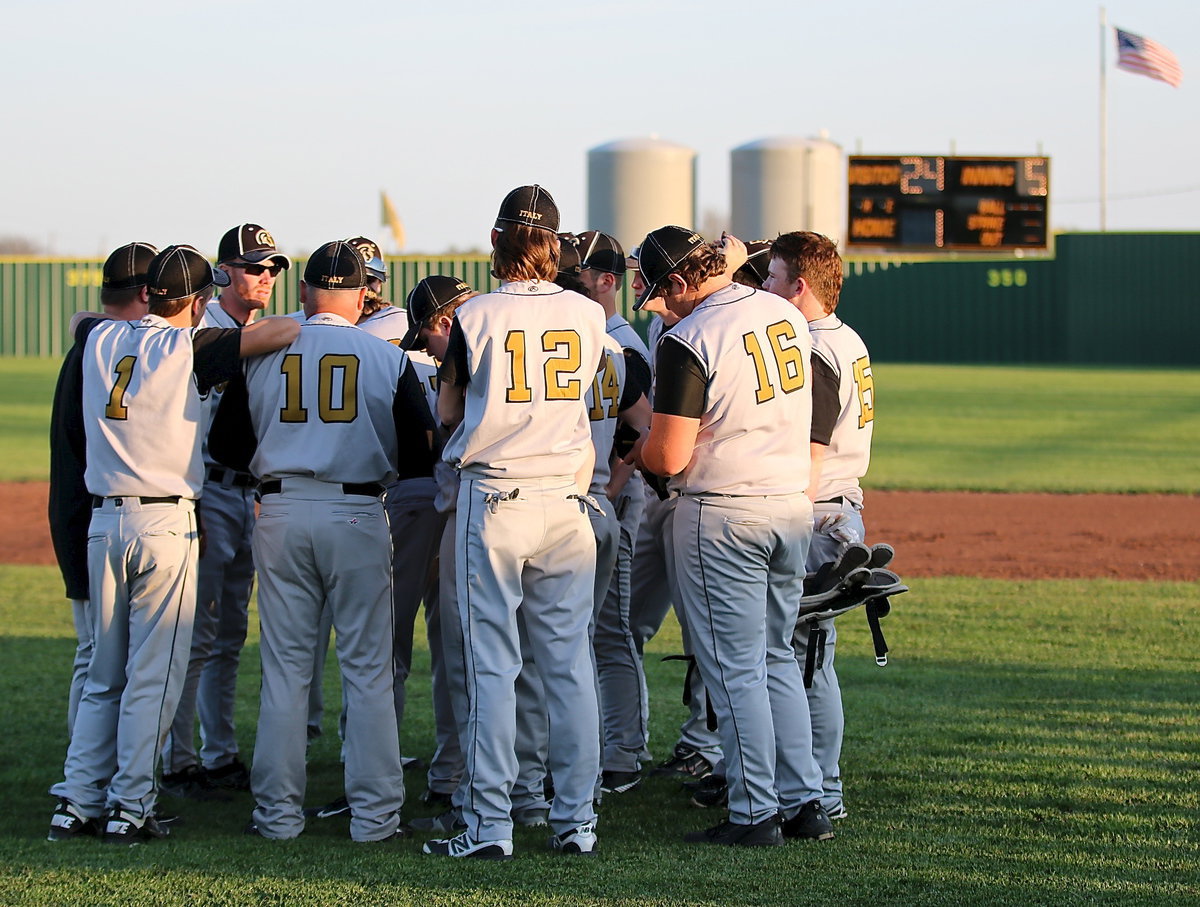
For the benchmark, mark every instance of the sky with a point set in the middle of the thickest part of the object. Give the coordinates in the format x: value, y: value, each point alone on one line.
x: 173, y: 121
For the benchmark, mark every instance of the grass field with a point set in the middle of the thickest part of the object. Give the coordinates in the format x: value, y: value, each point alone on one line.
x: 937, y: 427
x: 1030, y: 743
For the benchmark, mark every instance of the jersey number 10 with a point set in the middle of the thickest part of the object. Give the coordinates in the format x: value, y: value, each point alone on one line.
x: 337, y: 388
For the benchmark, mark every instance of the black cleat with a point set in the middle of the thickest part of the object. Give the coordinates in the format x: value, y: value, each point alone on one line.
x: 731, y: 834
x: 68, y: 823
x: 684, y: 763
x: 338, y: 807
x: 121, y: 827
x: 234, y: 776
x: 614, y: 782
x: 811, y: 822
x: 191, y: 783
x: 710, y: 792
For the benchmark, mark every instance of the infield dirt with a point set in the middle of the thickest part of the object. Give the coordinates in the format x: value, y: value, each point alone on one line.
x: 1005, y: 536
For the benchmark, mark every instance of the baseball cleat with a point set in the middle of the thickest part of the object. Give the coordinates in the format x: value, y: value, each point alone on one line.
x: 810, y: 822
x: 733, y: 834
x: 464, y: 846
x: 579, y: 841
x: 338, y: 807
x: 831, y: 574
x: 837, y: 811
x: 123, y: 827
x: 532, y: 816
x: 614, y: 782
x: 191, y: 783
x: 712, y: 791
x: 684, y: 763
x: 436, y: 798
x: 234, y: 776
x: 448, y: 822
x: 68, y: 823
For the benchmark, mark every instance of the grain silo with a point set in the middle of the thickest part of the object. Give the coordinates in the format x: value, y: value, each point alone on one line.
x: 639, y: 185
x: 783, y: 183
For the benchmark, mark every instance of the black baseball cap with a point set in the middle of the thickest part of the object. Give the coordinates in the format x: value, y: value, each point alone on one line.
x: 337, y: 265
x: 662, y: 251
x: 759, y: 257
x: 181, y: 271
x: 249, y: 242
x: 434, y: 292
x: 126, y: 267
x: 369, y: 250
x: 601, y: 252
x: 529, y: 205
x: 568, y: 254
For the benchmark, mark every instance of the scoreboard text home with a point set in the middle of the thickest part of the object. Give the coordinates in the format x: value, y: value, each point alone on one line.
x: 924, y: 203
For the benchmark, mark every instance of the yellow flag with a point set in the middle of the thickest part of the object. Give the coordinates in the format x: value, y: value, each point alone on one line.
x: 391, y: 220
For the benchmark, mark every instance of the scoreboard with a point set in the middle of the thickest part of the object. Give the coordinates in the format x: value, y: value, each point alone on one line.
x: 927, y: 203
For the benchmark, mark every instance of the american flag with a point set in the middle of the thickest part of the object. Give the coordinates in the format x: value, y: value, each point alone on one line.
x: 1141, y: 55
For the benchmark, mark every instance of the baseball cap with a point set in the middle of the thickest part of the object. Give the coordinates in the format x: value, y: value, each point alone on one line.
x: 529, y: 205
x: 126, y: 267
x: 568, y: 254
x: 601, y: 252
x: 337, y: 265
x: 662, y: 251
x: 180, y: 271
x: 249, y: 242
x: 370, y: 253
x: 758, y: 258
x: 431, y: 294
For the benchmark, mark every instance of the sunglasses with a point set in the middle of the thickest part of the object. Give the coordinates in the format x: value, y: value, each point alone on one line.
x: 257, y: 270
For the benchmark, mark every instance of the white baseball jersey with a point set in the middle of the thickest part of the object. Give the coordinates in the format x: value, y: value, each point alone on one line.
x: 625, y: 334
x: 389, y: 323
x: 322, y: 407
x: 603, y: 400
x: 142, y: 409
x: 849, y: 452
x: 753, y: 351
x: 531, y: 351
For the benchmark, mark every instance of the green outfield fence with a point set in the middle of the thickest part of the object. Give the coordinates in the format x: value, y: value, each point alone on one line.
x: 1104, y: 298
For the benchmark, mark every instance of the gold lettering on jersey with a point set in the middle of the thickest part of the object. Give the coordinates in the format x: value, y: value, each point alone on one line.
x: 567, y: 344
x: 518, y: 384
x: 293, y: 393
x: 116, y: 408
x: 789, y: 361
x: 337, y: 388
x: 606, y: 388
x: 864, y: 385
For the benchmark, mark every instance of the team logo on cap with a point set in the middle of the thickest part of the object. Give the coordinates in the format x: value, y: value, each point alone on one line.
x: 368, y: 251
x: 265, y: 238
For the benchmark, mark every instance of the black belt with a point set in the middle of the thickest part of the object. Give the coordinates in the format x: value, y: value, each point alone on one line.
x: 169, y: 499
x: 838, y: 500
x: 370, y: 489
x: 239, y: 479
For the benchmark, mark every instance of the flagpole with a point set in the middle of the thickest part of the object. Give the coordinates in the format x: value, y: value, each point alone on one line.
x: 1103, y: 124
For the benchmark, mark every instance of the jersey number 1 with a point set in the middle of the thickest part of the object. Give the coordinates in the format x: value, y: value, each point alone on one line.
x: 116, y: 408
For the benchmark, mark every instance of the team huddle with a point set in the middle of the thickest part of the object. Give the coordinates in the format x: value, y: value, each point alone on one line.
x: 519, y: 462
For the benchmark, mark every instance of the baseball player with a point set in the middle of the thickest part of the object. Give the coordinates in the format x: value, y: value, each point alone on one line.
x: 806, y: 270
x: 336, y: 415
x: 123, y: 298
x: 622, y: 687
x: 414, y: 522
x: 517, y: 365
x: 247, y: 253
x: 142, y: 414
x: 732, y: 409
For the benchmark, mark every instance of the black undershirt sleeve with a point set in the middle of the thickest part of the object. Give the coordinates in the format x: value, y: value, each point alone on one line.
x: 637, y: 374
x: 216, y: 354
x: 681, y: 385
x: 410, y: 412
x: 231, y: 438
x: 637, y: 378
x: 453, y: 370
x: 825, y: 405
